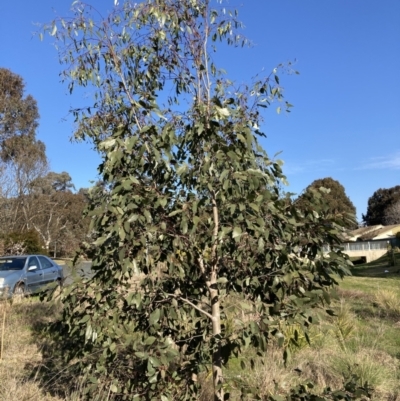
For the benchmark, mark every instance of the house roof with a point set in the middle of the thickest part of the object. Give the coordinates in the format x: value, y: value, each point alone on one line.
x: 353, y: 235
x: 389, y: 230
x: 372, y: 232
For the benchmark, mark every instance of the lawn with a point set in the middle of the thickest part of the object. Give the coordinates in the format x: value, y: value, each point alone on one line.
x: 381, y: 267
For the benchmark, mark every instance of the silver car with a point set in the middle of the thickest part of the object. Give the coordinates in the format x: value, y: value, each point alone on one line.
x: 27, y: 274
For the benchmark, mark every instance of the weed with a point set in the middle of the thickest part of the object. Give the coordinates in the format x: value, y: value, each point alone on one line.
x: 344, y: 324
x: 389, y: 301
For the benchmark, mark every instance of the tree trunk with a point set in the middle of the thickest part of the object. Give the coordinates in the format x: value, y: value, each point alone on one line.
x: 215, y: 309
x: 216, y: 330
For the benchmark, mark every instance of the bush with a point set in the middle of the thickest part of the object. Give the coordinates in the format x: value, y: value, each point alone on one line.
x: 22, y: 242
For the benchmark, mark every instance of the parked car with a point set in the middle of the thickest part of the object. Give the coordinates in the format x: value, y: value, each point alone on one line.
x: 25, y: 274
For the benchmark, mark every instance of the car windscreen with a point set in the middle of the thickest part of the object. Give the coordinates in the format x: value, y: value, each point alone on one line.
x: 12, y: 263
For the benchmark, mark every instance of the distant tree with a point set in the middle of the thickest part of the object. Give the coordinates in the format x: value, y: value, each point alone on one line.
x: 22, y: 161
x: 337, y: 200
x: 391, y: 214
x: 84, y: 192
x: 18, y: 114
x: 22, y: 157
x: 26, y: 160
x: 53, y: 182
x: 380, y: 203
x: 21, y: 242
x: 59, y: 219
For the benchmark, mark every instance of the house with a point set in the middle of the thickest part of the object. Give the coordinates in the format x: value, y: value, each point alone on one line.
x: 373, y: 233
x: 370, y: 243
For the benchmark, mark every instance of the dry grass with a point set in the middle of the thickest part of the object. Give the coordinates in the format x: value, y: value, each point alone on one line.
x: 389, y: 301
x: 343, y: 344
x: 18, y: 380
x: 366, y: 344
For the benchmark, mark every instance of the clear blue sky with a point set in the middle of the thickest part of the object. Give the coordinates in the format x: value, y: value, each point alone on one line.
x: 346, y: 119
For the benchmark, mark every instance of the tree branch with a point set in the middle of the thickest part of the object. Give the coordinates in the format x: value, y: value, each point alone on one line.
x: 191, y: 304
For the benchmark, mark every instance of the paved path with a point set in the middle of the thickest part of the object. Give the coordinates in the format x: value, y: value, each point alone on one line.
x: 83, y: 269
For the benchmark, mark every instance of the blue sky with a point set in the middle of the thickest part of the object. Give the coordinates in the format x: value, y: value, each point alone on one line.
x: 346, y: 119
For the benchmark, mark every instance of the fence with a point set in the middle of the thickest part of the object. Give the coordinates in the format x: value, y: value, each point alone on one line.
x: 368, y: 245
x: 371, y: 245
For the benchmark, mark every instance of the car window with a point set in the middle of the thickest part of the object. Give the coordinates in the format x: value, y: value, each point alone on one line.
x: 12, y: 263
x: 46, y: 263
x: 33, y: 262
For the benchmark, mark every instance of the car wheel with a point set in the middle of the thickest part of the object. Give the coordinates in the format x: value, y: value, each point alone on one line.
x: 19, y: 290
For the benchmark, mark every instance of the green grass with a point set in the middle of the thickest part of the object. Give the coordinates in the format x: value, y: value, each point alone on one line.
x: 379, y: 268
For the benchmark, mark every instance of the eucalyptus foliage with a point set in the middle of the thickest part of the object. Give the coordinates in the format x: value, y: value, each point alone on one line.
x: 189, y: 216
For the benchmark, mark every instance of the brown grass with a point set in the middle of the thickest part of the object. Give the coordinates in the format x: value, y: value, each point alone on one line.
x: 364, y: 344
x: 18, y: 381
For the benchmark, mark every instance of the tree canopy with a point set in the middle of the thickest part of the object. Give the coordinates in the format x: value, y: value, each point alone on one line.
x: 18, y: 113
x: 382, y: 207
x: 337, y: 200
x: 32, y: 199
x: 53, y: 182
x: 188, y: 216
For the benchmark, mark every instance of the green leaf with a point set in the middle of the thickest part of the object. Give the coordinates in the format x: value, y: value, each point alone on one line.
x: 54, y: 30
x: 163, y: 201
x: 175, y: 212
x: 237, y: 232
x: 149, y: 340
x: 148, y: 216
x: 154, y: 317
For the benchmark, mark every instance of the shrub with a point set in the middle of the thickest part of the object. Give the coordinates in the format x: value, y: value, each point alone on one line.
x: 22, y: 242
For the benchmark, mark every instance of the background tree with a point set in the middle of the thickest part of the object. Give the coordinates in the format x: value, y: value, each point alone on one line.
x: 53, y: 182
x: 391, y: 214
x: 57, y: 213
x: 18, y: 114
x: 17, y: 243
x: 338, y: 202
x: 380, y: 202
x: 22, y: 157
x: 31, y: 197
x: 22, y: 161
x: 189, y: 200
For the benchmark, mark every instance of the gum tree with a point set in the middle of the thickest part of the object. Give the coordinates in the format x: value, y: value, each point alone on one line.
x: 18, y: 114
x: 188, y: 220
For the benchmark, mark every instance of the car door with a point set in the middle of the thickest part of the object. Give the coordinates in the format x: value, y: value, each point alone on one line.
x: 34, y: 278
x: 50, y: 270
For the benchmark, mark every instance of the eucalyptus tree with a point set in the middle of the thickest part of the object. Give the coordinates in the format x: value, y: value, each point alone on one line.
x: 18, y: 113
x: 22, y: 161
x: 188, y: 219
x: 22, y: 156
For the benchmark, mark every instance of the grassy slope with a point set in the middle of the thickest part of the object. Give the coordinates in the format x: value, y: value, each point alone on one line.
x: 364, y: 336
